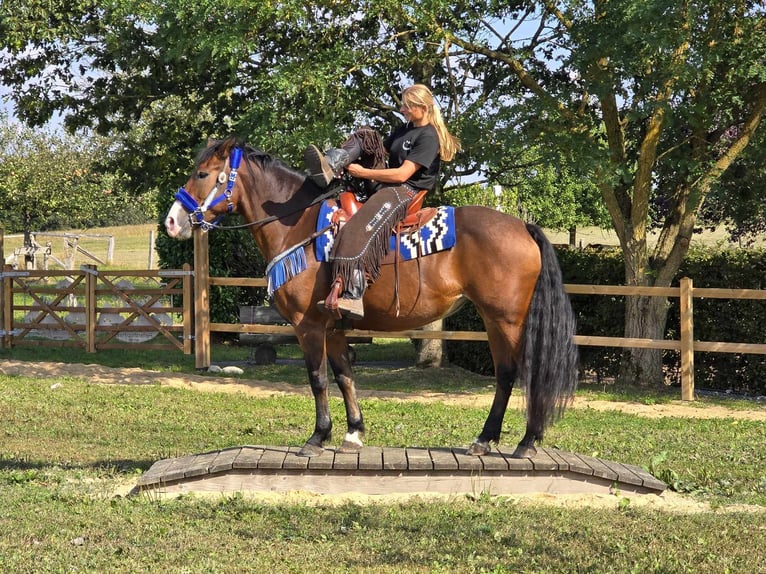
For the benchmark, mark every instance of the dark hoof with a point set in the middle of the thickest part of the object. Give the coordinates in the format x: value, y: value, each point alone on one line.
x: 478, y: 448
x: 310, y: 450
x: 524, y: 452
x: 349, y: 447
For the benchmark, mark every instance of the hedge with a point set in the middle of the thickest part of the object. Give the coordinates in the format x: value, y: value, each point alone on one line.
x: 725, y: 320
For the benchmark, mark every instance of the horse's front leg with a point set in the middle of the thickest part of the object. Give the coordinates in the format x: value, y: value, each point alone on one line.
x: 316, y: 365
x: 337, y: 352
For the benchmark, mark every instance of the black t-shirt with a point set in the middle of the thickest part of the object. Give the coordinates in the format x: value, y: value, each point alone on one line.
x: 420, y: 145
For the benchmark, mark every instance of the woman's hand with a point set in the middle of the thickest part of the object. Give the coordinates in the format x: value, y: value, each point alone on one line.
x: 389, y: 175
x: 356, y: 170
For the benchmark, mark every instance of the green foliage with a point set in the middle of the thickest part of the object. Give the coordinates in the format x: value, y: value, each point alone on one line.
x: 727, y: 320
x: 647, y: 102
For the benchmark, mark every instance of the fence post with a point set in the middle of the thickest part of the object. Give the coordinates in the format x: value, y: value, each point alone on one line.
x: 188, y: 299
x: 687, y: 340
x: 2, y: 292
x: 91, y: 279
x: 201, y: 300
x: 110, y: 251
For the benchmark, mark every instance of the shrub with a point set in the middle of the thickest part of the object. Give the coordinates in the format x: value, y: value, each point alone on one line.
x: 727, y: 320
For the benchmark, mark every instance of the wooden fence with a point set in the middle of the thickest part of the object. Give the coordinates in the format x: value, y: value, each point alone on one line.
x: 93, y: 309
x: 685, y: 292
x: 138, y: 313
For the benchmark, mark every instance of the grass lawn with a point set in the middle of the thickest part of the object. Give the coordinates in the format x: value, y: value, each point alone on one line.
x: 64, y: 451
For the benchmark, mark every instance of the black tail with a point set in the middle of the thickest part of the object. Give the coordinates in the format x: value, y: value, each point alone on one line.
x: 549, y: 367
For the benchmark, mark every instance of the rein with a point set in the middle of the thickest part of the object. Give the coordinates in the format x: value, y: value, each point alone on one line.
x: 197, y: 211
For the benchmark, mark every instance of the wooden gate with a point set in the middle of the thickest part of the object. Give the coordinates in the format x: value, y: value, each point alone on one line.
x: 92, y: 309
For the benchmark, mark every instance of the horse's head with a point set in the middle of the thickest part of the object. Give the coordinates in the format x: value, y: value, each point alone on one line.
x: 210, y: 191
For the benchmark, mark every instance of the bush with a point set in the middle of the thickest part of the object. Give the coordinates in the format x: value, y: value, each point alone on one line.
x: 233, y: 253
x: 727, y: 320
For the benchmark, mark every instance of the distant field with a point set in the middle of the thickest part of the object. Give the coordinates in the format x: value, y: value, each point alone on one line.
x: 133, y: 245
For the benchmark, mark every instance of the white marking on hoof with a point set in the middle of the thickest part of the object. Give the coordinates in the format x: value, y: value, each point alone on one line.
x: 353, y: 438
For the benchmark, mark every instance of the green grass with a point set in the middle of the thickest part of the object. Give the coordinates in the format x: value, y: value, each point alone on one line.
x: 65, y: 449
x: 131, y: 246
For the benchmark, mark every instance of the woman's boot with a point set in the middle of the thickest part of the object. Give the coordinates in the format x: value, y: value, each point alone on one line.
x: 325, y: 167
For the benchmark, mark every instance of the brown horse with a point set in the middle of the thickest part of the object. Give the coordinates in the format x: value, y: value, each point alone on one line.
x: 507, y: 268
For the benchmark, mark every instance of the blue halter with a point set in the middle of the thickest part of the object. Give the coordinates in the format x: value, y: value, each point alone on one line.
x: 197, y: 211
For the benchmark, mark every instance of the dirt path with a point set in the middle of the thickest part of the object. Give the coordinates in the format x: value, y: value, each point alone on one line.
x: 668, y: 501
x: 256, y: 388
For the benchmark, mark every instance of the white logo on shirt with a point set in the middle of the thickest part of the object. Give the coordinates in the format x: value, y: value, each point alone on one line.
x: 407, y: 145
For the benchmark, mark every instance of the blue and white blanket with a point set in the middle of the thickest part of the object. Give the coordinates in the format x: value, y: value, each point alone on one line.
x: 435, y: 235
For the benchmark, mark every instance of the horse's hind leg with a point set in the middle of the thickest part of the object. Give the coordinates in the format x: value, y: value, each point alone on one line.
x: 337, y: 352
x: 504, y: 346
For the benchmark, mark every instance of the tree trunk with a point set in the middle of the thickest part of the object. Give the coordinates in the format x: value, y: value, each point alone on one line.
x: 645, y: 318
x: 430, y: 352
x: 28, y: 259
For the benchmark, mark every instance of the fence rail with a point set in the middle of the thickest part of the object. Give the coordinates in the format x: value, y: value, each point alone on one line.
x: 93, y: 309
x: 198, y: 327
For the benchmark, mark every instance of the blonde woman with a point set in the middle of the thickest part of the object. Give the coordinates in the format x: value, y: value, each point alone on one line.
x: 415, y: 150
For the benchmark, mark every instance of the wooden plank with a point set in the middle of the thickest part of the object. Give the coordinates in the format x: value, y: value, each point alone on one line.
x: 273, y: 458
x: 155, y: 472
x: 649, y: 481
x: 468, y: 462
x: 295, y: 462
x: 515, y: 464
x: 575, y: 463
x: 201, y: 464
x: 627, y: 343
x: 494, y: 461
x: 322, y: 462
x: 621, y: 290
x: 418, y: 459
x: 598, y: 468
x: 177, y: 468
x: 248, y: 457
x: 225, y: 460
x: 443, y: 459
x: 625, y: 474
x: 346, y: 461
x: 371, y: 458
x: 543, y: 461
x: 560, y: 460
x: 394, y: 459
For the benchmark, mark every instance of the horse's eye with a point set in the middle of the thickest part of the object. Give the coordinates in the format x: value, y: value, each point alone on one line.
x: 202, y: 174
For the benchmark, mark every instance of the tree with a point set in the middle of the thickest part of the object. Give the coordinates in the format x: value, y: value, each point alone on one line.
x: 49, y: 180
x: 657, y: 100
x: 650, y: 102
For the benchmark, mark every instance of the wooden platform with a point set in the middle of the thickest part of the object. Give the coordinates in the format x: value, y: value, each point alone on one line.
x: 378, y: 470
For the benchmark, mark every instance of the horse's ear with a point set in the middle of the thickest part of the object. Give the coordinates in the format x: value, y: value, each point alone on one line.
x: 223, y: 149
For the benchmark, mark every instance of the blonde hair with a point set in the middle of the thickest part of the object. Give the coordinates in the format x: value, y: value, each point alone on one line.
x: 420, y: 95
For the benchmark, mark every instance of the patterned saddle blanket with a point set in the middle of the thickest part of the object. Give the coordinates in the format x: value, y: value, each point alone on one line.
x: 434, y: 235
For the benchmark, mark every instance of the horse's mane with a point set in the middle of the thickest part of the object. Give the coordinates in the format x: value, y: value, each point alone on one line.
x: 265, y: 160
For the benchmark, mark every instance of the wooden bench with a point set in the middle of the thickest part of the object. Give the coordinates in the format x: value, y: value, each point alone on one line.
x: 264, y: 351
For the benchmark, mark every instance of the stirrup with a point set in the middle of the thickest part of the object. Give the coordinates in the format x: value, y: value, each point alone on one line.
x: 330, y: 304
x: 351, y: 308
